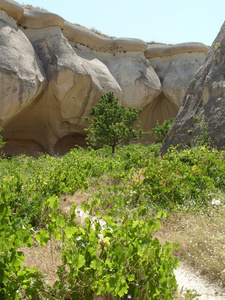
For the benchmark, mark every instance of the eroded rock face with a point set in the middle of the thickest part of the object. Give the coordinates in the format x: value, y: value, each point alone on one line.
x: 74, y: 85
x: 22, y: 76
x: 176, y: 65
x: 53, y: 72
x: 204, y: 100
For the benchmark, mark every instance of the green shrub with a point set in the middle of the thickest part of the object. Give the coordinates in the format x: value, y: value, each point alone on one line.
x: 119, y: 258
x: 188, y: 177
x: 160, y: 131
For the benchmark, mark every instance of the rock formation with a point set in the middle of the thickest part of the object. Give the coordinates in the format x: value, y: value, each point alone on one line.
x: 53, y: 72
x: 204, y: 102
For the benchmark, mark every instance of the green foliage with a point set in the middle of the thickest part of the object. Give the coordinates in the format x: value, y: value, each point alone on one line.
x: 1, y: 140
x: 119, y: 257
x: 135, y: 189
x: 160, y: 131
x: 191, y: 294
x: 217, y: 46
x: 180, y: 178
x: 202, y: 139
x: 15, y: 280
x: 112, y: 124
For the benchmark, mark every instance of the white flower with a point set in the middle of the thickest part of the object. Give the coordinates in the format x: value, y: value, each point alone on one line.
x: 215, y: 202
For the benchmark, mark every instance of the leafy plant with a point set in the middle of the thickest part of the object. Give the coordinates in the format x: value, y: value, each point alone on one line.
x: 217, y: 46
x: 116, y: 247
x: 15, y: 280
x: 1, y: 140
x: 112, y: 124
x: 160, y: 131
x: 202, y: 139
x: 179, y: 178
x: 117, y: 257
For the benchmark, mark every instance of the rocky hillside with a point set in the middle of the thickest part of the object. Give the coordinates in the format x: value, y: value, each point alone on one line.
x: 202, y: 115
x: 52, y: 72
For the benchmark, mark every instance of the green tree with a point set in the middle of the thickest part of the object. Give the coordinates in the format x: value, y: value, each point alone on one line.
x: 112, y: 123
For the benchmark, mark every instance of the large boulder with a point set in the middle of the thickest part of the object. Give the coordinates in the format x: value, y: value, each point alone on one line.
x: 22, y: 75
x: 204, y: 102
x: 74, y: 86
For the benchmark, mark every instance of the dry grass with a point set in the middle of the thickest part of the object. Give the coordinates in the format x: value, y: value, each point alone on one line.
x: 47, y: 258
x: 98, y: 32
x: 202, y: 240
x: 28, y: 6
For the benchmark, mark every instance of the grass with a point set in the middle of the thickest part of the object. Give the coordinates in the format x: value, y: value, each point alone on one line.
x: 28, y: 6
x: 98, y: 32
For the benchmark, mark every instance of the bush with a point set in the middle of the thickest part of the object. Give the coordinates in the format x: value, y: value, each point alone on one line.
x: 160, y: 131
x: 188, y: 177
x: 117, y: 257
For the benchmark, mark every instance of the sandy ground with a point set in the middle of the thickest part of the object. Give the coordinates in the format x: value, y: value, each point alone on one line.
x: 188, y: 279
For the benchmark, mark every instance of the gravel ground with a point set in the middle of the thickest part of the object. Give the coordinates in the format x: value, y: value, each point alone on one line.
x: 188, y: 279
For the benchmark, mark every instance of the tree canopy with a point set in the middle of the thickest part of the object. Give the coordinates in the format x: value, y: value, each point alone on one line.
x: 112, y: 123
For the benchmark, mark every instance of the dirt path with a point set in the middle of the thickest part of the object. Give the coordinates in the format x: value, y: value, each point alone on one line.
x: 187, y: 279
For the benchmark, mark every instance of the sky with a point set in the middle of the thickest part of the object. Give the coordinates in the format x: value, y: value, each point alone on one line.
x: 163, y: 21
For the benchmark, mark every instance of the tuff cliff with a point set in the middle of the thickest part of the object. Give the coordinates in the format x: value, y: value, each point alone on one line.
x: 52, y: 72
x: 202, y: 112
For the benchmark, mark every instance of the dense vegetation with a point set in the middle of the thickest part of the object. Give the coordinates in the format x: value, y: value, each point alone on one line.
x: 132, y: 193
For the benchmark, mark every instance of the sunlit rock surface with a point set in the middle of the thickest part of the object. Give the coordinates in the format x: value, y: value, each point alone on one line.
x: 203, y: 110
x: 53, y: 72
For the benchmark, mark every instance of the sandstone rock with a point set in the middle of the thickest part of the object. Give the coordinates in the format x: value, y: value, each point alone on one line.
x: 159, y: 110
x: 136, y: 77
x: 161, y: 50
x: 12, y: 8
x: 22, y: 75
x: 205, y: 98
x: 39, y: 19
x: 176, y: 63
x: 74, y: 86
x: 53, y: 72
x: 80, y: 35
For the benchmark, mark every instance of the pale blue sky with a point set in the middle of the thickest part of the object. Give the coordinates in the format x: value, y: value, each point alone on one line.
x: 166, y: 21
